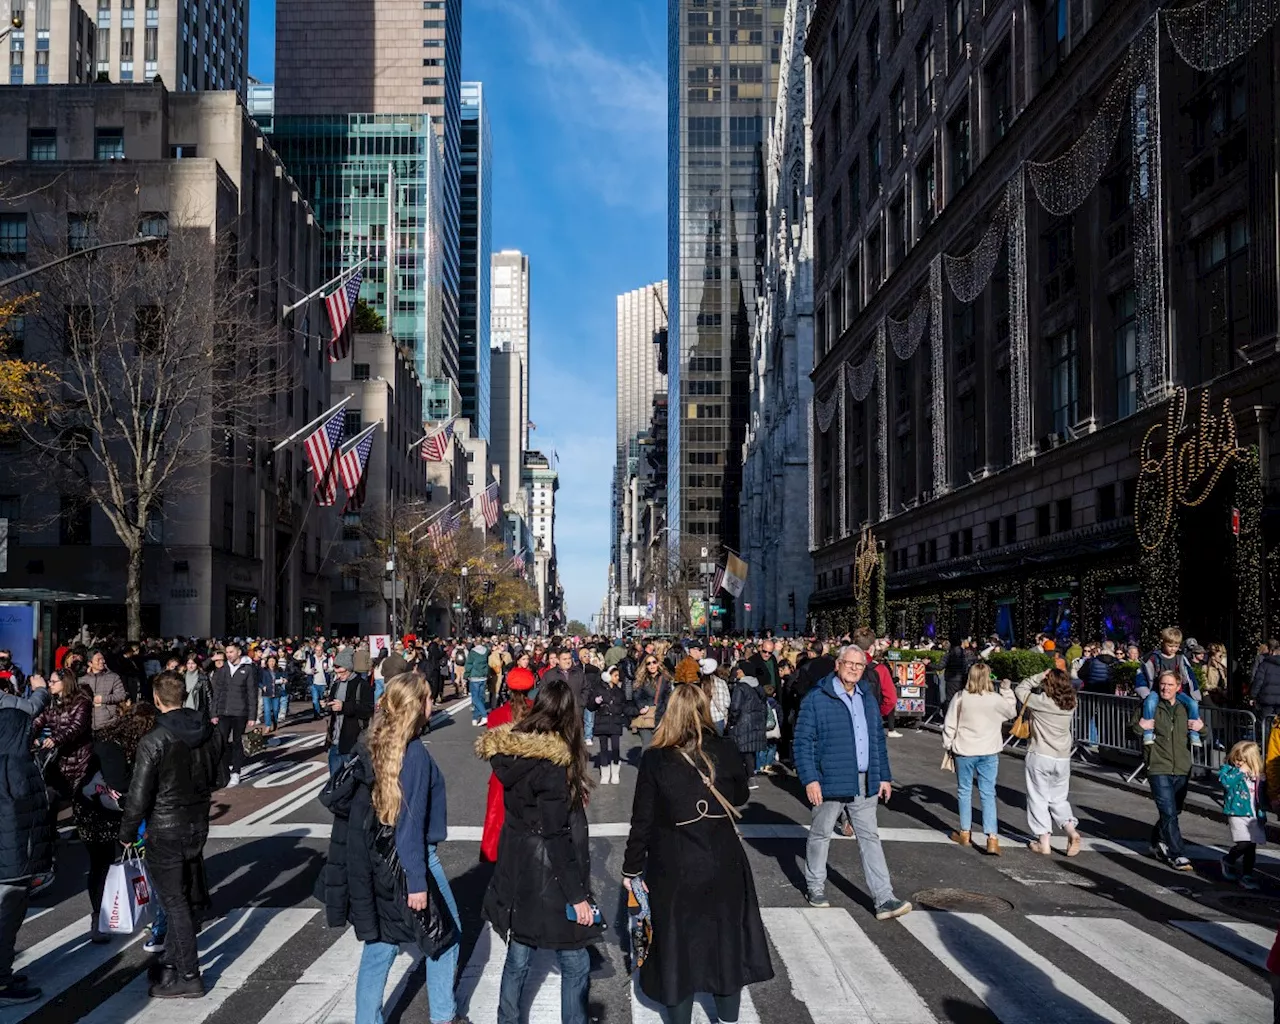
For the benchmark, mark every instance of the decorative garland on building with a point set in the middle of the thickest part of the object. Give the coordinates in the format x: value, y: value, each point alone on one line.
x: 813, y: 541
x: 825, y: 408
x: 862, y: 375
x: 1211, y: 34
x: 1248, y: 565
x: 905, y: 335
x: 865, y: 560
x: 968, y: 275
x: 938, y: 356
x: 880, y: 617
x: 1023, y: 446
x: 1155, y: 363
x: 882, y: 424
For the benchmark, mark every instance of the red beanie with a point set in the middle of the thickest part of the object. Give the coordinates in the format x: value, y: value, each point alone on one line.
x: 520, y: 680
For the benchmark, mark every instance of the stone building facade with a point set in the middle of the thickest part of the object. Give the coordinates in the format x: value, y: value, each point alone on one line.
x: 774, y: 507
x: 1037, y: 223
x: 232, y: 551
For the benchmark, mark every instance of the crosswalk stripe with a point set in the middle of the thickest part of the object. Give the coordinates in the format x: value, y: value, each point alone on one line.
x: 481, y: 980
x: 248, y: 939
x: 1016, y: 983
x: 1248, y: 942
x: 1193, y: 991
x: 645, y: 1011
x: 59, y: 961
x: 839, y: 974
x: 345, y: 1009
x: 313, y: 997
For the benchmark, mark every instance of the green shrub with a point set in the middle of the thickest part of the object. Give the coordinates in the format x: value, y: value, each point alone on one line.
x: 933, y: 657
x: 1018, y: 665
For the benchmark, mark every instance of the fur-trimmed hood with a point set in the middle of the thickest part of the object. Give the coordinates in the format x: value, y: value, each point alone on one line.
x: 536, y: 746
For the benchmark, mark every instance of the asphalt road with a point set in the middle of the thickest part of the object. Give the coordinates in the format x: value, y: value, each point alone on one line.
x: 1108, y: 936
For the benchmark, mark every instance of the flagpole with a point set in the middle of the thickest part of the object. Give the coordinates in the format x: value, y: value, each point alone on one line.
x: 346, y: 446
x: 430, y: 433
x: 431, y: 518
x: 311, y: 426
x: 287, y: 310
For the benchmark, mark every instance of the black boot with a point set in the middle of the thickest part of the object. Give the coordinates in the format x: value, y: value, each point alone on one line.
x: 175, y: 987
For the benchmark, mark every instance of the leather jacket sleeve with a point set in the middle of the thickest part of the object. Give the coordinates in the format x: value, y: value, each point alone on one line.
x: 142, y: 786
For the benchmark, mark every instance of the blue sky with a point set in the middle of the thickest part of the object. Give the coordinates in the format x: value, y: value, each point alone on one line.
x: 576, y: 90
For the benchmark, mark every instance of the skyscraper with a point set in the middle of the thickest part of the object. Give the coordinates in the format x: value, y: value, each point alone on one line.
x: 59, y: 42
x: 508, y: 408
x: 723, y: 63
x: 509, y: 317
x: 396, y: 57
x: 475, y: 249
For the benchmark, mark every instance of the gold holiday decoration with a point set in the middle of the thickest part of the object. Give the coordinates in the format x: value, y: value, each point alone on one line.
x: 1182, y: 470
x: 865, y: 561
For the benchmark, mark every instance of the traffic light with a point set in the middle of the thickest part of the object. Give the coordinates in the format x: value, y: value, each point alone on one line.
x: 791, y: 600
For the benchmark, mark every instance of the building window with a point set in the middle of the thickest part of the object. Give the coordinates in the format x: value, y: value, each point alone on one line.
x: 957, y: 32
x: 1053, y: 36
x: 82, y: 231
x: 250, y: 533
x: 898, y: 120
x: 1125, y: 332
x: 875, y: 162
x: 1105, y: 501
x: 899, y: 236
x: 351, y: 424
x: 73, y: 520
x: 837, y: 220
x: 42, y: 144
x: 1222, y: 298
x: 1064, y: 514
x: 1011, y: 529
x: 855, y: 191
x: 926, y: 70
x: 108, y: 144
x: 958, y: 149
x: 853, y: 289
x: 873, y: 51
x: 855, y: 96
x: 1059, y: 269
x: 360, y: 371
x: 704, y: 133
x: 875, y: 260
x: 1064, y: 380
x: 926, y: 193
x: 13, y: 237
x: 999, y: 84
x: 837, y: 128
x: 899, y: 10
x: 150, y: 44
x: 1043, y: 527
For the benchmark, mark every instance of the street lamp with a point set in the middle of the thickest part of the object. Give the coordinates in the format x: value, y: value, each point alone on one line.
x: 89, y: 251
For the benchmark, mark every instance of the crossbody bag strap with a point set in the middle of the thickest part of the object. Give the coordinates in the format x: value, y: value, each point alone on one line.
x: 732, y: 811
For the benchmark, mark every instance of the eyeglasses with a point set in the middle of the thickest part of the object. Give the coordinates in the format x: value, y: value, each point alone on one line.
x: 850, y: 661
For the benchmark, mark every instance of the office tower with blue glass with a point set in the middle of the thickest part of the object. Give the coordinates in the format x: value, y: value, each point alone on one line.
x: 475, y: 247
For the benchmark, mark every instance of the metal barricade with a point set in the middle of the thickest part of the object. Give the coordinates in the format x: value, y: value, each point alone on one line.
x: 1105, y: 722
x: 1226, y: 728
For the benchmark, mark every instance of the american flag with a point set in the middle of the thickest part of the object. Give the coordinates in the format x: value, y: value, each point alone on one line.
x: 351, y: 465
x: 319, y: 448
x: 490, y: 506
x: 441, y: 532
x: 436, y: 446
x: 340, y: 302
x: 717, y: 581
x: 518, y: 562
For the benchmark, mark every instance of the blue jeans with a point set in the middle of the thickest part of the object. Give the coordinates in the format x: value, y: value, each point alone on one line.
x: 317, y: 695
x: 336, y: 760
x: 270, y: 711
x: 588, y: 724
x: 984, y: 766
x: 575, y: 968
x: 1152, y: 701
x: 478, y: 710
x: 1170, y: 793
x: 379, y: 687
x: 160, y: 922
x: 766, y: 757
x: 377, y: 957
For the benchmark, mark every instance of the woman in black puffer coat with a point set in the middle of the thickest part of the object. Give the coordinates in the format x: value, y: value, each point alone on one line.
x: 748, y: 721
x: 26, y: 831
x: 608, y: 700
x: 544, y: 860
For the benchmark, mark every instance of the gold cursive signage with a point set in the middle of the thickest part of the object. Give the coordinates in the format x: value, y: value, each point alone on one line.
x: 1182, y: 470
x: 865, y: 560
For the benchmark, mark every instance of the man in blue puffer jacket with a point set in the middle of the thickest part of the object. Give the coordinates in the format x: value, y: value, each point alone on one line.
x: 843, y: 762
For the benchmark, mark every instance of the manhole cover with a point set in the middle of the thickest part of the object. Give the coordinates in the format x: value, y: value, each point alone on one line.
x: 960, y: 900
x: 1263, y: 909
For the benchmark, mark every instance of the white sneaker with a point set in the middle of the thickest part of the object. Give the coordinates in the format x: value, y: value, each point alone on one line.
x: 615, y: 773
x: 893, y: 734
x: 234, y: 780
x: 483, y: 721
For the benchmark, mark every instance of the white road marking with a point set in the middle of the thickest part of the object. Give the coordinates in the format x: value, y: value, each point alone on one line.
x: 322, y: 985
x: 1016, y: 983
x: 1248, y: 942
x: 57, y: 963
x: 839, y: 974
x: 481, y: 979
x: 1184, y: 986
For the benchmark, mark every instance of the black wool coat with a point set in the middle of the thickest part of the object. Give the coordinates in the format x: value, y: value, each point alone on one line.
x: 544, y: 861
x: 612, y: 709
x: 748, y: 716
x: 707, y: 932
x: 26, y: 831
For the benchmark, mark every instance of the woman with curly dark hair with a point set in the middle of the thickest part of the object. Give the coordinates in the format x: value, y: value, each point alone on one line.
x: 1051, y: 706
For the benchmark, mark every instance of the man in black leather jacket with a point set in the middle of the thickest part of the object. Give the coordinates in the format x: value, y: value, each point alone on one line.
x: 174, y: 776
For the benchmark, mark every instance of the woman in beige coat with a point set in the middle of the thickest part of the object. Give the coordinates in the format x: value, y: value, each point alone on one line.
x: 973, y: 734
x: 1051, y: 705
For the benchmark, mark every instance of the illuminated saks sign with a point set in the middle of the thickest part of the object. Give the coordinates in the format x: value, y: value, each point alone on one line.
x: 1181, y: 463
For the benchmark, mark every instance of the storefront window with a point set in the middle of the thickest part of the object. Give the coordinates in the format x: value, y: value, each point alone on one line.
x: 929, y: 621
x: 1057, y: 618
x: 962, y: 619
x: 1006, y: 614
x: 1122, y: 614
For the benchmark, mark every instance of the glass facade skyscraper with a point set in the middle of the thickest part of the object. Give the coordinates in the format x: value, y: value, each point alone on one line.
x: 723, y: 60
x: 475, y: 248
x: 377, y: 184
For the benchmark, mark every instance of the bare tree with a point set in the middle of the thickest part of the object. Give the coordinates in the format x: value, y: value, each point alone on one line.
x: 164, y: 355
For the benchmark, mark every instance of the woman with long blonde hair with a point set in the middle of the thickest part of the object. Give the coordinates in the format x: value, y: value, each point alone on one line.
x: 684, y: 851
x: 398, y: 784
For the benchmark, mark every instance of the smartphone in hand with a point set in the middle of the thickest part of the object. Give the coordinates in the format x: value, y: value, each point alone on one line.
x: 572, y: 914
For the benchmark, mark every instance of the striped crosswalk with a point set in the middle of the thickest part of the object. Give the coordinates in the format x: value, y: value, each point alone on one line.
x: 833, y: 966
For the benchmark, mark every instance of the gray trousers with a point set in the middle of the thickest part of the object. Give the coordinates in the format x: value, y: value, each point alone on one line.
x: 862, y: 813
x: 13, y: 908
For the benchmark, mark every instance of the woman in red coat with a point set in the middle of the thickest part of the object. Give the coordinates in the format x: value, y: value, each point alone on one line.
x: 519, y: 682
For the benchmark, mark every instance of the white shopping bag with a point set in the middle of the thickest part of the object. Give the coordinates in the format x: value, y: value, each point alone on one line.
x: 127, y: 899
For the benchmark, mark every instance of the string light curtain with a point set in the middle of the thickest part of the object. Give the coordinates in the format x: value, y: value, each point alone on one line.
x: 844, y: 457
x: 813, y: 543
x: 968, y: 274
x: 862, y: 376
x: 940, y: 477
x: 1019, y: 357
x: 905, y: 334
x: 1154, y: 361
x: 825, y: 408
x: 882, y: 423
x: 1211, y: 34
x: 1063, y: 184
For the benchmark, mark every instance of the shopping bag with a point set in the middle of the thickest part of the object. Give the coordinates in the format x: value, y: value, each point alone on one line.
x: 127, y: 900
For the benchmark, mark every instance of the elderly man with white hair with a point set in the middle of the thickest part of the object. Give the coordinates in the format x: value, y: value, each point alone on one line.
x: 843, y: 762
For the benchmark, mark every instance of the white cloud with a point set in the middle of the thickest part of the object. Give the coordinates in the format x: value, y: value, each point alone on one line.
x: 611, y: 110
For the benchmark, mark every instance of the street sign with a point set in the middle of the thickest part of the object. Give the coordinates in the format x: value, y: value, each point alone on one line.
x: 717, y: 609
x: 457, y: 606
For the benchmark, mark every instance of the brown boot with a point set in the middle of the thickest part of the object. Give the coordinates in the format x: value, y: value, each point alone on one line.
x: 960, y: 838
x: 993, y: 846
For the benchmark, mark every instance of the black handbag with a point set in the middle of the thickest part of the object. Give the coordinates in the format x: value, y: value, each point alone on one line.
x: 433, y: 925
